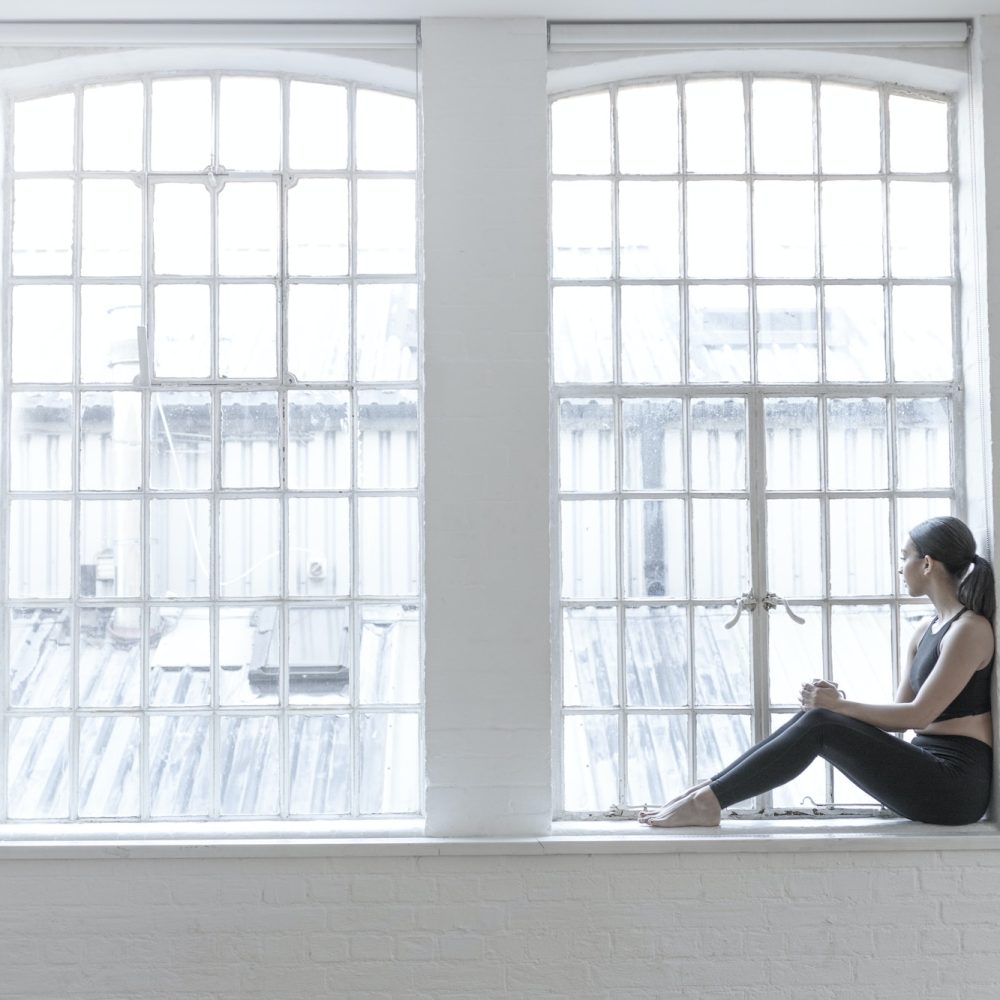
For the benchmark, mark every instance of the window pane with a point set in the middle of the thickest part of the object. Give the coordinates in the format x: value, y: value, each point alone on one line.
x: 180, y: 441
x: 720, y: 543
x: 658, y: 758
x: 714, y: 126
x: 319, y: 546
x: 38, y: 767
x: 110, y: 654
x: 653, y: 454
x: 791, y: 428
x: 387, y: 332
x: 721, y: 658
x: 249, y: 655
x: 109, y: 767
x: 389, y: 656
x: 647, y: 129
x: 247, y: 331
x: 648, y: 229
x: 112, y: 127
x: 249, y: 769
x: 581, y: 229
x: 851, y: 220
x: 795, y: 550
x: 181, y: 124
x: 782, y: 126
x: 918, y: 134
x: 718, y: 444
x: 319, y: 654
x: 320, y: 779
x: 41, y: 441
x: 922, y: 348
x: 862, y: 652
x: 719, y: 333
x: 721, y: 739
x: 787, y: 334
x: 590, y: 656
x: 582, y: 334
x: 180, y: 656
x: 386, y: 227
x: 854, y: 317
x: 650, y: 335
x: 717, y: 229
x: 319, y: 332
x: 588, y: 549
x: 795, y: 652
x: 784, y: 238
x: 920, y: 231
x: 250, y: 547
x: 581, y: 134
x: 112, y: 228
x: 110, y: 549
x: 861, y: 559
x: 182, y: 229
x: 180, y: 765
x: 586, y: 445
x: 317, y: 126
x: 43, y: 133
x: 249, y: 439
x: 40, y: 664
x: 654, y: 536
x: 387, y: 439
x: 319, y: 440
x: 179, y: 552
x: 109, y: 318
x: 923, y: 443
x: 249, y: 123
x: 110, y: 440
x: 42, y: 332
x: 317, y: 227
x: 850, y: 134
x: 39, y: 549
x: 386, y: 131
x: 388, y: 546
x: 590, y: 762
x: 656, y: 656
x: 857, y: 444
x: 248, y: 229
x: 182, y: 331
x: 43, y: 227
x: 806, y: 789
x: 389, y: 751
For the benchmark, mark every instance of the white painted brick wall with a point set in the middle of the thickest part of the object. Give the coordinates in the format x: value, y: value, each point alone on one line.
x: 859, y: 925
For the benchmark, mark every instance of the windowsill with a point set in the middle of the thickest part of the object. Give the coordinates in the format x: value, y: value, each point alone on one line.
x: 404, y: 838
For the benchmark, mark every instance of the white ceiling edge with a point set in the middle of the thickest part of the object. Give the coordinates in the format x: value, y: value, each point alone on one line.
x: 554, y: 10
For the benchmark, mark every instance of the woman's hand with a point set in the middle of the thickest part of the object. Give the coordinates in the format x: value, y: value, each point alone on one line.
x: 820, y: 694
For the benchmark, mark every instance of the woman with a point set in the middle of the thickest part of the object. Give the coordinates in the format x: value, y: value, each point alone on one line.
x: 944, y: 774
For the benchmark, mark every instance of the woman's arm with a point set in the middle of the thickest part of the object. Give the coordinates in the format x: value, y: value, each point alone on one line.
x: 967, y: 647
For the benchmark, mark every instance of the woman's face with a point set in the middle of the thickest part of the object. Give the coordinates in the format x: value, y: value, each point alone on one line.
x: 910, y: 566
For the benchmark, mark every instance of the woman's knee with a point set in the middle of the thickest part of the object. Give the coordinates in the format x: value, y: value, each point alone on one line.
x: 820, y: 716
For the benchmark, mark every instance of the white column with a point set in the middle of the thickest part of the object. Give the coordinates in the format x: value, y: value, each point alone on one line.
x: 486, y: 426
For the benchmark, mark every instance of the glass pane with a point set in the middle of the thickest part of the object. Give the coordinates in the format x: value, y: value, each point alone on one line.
x: 110, y: 440
x: 721, y: 657
x: 320, y: 778
x: 918, y: 134
x: 389, y: 751
x: 784, y: 235
x: 386, y: 227
x: 851, y: 220
x: 109, y: 767
x: 182, y: 331
x: 249, y: 123
x: 180, y: 441
x: 388, y: 545
x: 249, y: 655
x: 719, y: 540
x: 38, y: 768
x: 319, y: 440
x: 920, y: 230
x: 717, y: 229
x: 854, y: 318
x: 586, y: 445
x: 249, y: 439
x: 861, y: 644
x: 719, y: 333
x: 319, y: 655
x: 179, y: 551
x: 42, y: 240
x: 582, y: 334
x: 112, y: 127
x: 385, y: 131
x: 643, y: 149
x: 319, y: 546
x: 41, y: 441
x: 658, y: 758
x: 110, y: 657
x: 581, y: 229
x: 388, y: 439
x: 250, y: 547
x: 923, y: 443
x: 319, y: 334
x: 110, y: 549
x: 648, y: 229
x: 654, y: 543
x: 40, y: 548
x: 590, y: 762
x: 41, y: 657
x: 809, y: 785
x: 389, y: 656
x: 43, y: 133
x: 318, y: 227
x: 861, y: 548
x: 795, y: 549
x: 656, y: 656
x: 249, y: 765
x: 180, y: 656
x: 387, y: 332
x: 714, y: 126
x: 787, y: 334
x: 112, y: 228
x: 180, y: 765
x: 910, y: 511
x: 248, y: 229
x: 922, y: 333
x: 590, y: 656
x: 109, y: 346
x: 42, y: 333
x: 721, y: 739
x: 791, y: 429
x: 850, y: 133
x: 581, y: 134
x: 653, y: 456
x: 317, y: 126
x: 182, y: 229
x: 795, y: 652
x: 857, y: 444
x: 718, y: 444
x: 247, y: 337
x: 181, y: 125
x: 650, y: 335
x: 588, y: 549
x: 782, y: 126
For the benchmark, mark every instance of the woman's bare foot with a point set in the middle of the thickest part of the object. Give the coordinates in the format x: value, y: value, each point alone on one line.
x: 645, y: 814
x: 699, y: 808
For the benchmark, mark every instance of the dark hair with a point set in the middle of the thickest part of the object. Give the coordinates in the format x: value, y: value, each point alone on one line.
x: 951, y: 543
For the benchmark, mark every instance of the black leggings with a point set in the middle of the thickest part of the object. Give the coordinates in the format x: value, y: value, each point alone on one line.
x: 934, y: 779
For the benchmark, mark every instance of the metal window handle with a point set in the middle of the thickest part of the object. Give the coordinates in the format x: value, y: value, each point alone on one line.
x: 771, y: 601
x: 745, y: 602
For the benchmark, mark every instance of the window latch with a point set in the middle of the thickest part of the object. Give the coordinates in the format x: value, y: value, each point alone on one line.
x: 771, y: 601
x: 745, y: 602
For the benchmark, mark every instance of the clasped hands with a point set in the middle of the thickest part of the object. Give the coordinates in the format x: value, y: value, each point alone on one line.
x: 820, y: 694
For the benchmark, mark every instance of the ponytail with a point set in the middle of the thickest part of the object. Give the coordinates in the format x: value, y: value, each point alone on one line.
x: 977, y: 590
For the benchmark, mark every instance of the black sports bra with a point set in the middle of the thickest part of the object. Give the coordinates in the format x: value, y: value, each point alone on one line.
x: 974, y: 698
